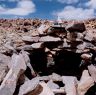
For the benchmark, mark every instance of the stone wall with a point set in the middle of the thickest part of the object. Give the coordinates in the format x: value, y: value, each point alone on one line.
x: 38, y: 57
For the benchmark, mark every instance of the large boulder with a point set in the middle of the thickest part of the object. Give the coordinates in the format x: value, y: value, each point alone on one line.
x: 18, y: 67
x: 76, y: 27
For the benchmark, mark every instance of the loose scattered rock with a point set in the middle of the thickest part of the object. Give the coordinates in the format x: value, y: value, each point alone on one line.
x: 8, y: 85
x: 42, y: 57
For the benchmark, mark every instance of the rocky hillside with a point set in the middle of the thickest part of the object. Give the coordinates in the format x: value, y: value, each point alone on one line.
x: 13, y: 31
x: 42, y: 57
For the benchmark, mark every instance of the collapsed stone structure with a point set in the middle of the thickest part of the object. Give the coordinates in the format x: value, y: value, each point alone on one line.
x: 38, y: 57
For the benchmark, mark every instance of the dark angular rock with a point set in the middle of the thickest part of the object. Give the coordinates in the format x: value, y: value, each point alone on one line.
x: 73, y: 27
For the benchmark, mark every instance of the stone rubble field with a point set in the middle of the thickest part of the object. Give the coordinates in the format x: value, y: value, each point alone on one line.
x: 39, y: 58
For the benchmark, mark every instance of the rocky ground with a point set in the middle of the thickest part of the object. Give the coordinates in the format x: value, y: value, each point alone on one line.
x: 39, y: 58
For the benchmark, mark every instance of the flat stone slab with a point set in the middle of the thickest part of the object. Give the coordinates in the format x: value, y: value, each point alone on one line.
x: 49, y: 39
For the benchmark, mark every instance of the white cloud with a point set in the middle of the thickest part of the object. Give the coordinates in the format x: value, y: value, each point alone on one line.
x: 71, y: 12
x: 68, y: 1
x: 23, y: 8
x: 91, y: 4
x: 1, y: 8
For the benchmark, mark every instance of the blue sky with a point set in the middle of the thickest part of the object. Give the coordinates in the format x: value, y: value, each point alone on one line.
x: 48, y: 9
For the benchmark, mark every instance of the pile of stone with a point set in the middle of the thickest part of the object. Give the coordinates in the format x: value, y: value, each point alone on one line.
x: 47, y: 60
x: 15, y: 82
